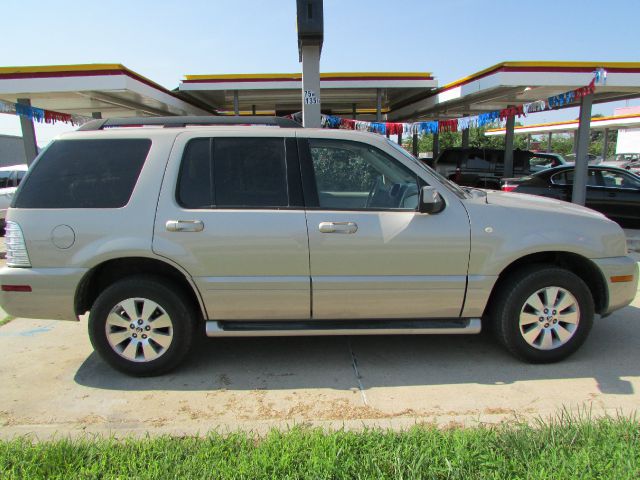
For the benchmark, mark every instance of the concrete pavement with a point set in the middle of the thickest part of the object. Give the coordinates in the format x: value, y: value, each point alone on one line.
x: 52, y: 383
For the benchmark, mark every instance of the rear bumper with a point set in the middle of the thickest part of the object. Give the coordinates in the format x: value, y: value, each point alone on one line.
x: 52, y: 292
x: 621, y: 293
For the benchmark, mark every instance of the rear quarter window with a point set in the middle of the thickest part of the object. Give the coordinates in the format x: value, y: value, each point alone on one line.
x: 84, y: 174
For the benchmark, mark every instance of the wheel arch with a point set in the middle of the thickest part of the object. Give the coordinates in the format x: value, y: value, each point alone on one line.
x: 110, y: 271
x: 577, y: 264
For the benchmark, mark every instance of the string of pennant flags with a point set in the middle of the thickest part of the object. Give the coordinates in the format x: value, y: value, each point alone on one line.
x: 464, y: 123
x: 41, y: 115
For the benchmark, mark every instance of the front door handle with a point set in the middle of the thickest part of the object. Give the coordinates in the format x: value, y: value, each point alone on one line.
x: 338, y: 227
x: 184, y: 225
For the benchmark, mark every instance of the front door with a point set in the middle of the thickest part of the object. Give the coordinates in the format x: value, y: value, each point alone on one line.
x: 372, y: 254
x: 234, y: 219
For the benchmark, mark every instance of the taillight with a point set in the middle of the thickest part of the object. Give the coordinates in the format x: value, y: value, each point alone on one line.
x: 17, y: 255
x: 508, y: 188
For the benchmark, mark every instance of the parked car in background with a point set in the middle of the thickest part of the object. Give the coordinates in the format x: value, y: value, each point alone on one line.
x: 612, y: 191
x: 628, y: 161
x: 633, y: 167
x: 484, y: 167
x: 10, y: 178
x: 627, y: 157
x: 593, y: 159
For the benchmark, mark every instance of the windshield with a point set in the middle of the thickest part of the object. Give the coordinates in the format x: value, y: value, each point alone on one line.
x: 446, y: 182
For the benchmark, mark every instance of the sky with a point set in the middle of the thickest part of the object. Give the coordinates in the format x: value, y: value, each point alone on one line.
x: 163, y: 39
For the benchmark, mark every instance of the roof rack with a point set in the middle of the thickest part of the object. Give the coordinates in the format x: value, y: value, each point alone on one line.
x: 169, y: 122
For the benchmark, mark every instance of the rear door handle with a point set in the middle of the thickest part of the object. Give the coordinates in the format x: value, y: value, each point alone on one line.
x: 184, y: 225
x: 338, y: 227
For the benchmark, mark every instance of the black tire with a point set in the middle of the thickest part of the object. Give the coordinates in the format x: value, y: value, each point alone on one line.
x: 170, y: 298
x: 511, y: 298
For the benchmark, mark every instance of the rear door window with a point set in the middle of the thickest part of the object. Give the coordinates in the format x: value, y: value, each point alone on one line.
x: 84, y: 174
x: 233, y: 172
x: 566, y: 178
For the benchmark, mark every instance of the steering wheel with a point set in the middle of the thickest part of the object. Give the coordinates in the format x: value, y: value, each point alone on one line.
x: 374, y: 189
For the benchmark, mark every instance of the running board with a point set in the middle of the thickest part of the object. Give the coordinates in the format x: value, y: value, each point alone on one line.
x: 342, y: 327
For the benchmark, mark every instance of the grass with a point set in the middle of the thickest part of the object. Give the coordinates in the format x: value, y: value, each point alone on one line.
x: 564, y: 448
x: 6, y: 320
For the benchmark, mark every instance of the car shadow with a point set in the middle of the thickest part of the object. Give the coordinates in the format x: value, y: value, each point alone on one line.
x: 274, y: 363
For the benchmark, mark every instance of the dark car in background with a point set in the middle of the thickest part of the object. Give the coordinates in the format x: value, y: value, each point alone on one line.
x: 615, y: 192
x: 484, y: 167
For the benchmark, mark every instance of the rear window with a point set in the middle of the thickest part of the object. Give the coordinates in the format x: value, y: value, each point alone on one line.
x: 449, y: 157
x: 84, y: 174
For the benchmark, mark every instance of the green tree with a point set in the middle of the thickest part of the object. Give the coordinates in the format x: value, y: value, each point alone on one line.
x: 561, y: 143
x: 477, y: 139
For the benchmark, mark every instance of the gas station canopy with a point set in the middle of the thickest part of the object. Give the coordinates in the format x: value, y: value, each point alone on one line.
x: 109, y: 89
x: 514, y: 83
x: 281, y: 93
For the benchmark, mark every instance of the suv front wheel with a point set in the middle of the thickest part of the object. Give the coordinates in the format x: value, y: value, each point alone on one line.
x: 142, y: 326
x: 543, y: 314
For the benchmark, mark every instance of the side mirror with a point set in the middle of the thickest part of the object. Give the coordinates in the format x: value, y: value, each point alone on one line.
x: 430, y: 201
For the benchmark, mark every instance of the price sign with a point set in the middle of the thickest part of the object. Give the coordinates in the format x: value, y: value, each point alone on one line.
x: 310, y: 97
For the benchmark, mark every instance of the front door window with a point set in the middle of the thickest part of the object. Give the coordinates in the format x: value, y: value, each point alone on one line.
x: 351, y: 175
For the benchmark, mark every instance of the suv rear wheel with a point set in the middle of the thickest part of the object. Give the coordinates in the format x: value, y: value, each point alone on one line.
x: 142, y: 326
x: 543, y: 314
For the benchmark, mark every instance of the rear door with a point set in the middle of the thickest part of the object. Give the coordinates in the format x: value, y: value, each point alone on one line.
x: 231, y: 214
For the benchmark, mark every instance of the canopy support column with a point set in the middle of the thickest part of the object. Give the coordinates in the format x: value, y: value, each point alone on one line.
x: 508, y: 147
x: 354, y: 111
x: 549, y: 137
x: 605, y: 145
x: 414, y: 145
x: 529, y: 141
x: 28, y: 134
x: 465, y: 137
x: 311, y: 116
x: 581, y: 174
x: 379, y: 105
x: 436, y: 145
x: 236, y: 103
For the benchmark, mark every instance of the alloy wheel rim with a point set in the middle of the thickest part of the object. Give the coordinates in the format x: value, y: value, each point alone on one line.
x: 139, y: 329
x: 549, y: 318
